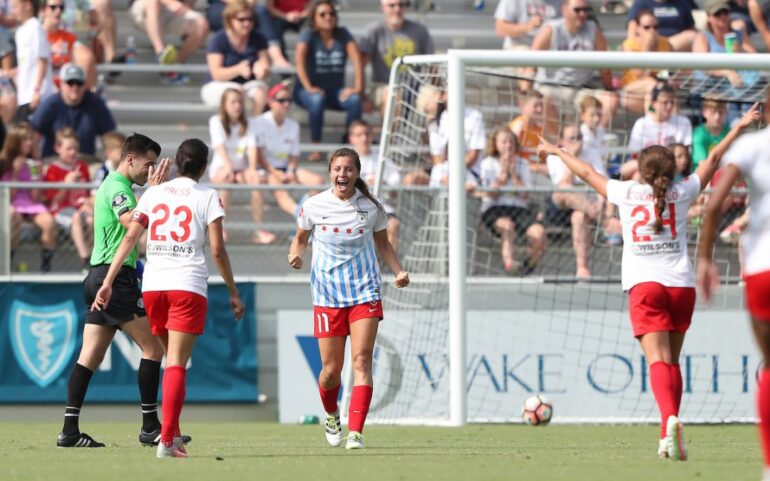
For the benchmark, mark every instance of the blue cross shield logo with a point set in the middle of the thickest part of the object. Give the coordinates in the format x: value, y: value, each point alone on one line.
x: 43, y: 338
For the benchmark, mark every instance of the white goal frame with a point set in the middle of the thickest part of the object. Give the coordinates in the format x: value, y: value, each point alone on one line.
x: 456, y: 63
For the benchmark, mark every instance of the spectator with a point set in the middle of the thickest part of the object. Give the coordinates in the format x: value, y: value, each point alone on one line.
x: 759, y: 11
x: 26, y: 203
x: 74, y: 106
x: 94, y: 22
x: 237, y: 56
x: 65, y: 47
x: 575, y: 31
x: 321, y: 54
x: 33, y: 59
x: 508, y: 214
x: 278, y: 144
x: 713, y: 40
x: 636, y: 84
x: 175, y: 17
x: 438, y: 141
x: 70, y: 208
x: 594, y: 136
x: 708, y: 134
x: 113, y: 145
x: 584, y: 208
x: 7, y: 90
x: 528, y: 126
x: 234, y: 142
x: 518, y: 21
x: 278, y: 16
x: 360, y: 137
x: 385, y: 41
x: 675, y: 21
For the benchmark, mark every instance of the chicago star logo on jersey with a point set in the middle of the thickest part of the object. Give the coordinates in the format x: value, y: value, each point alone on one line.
x: 119, y: 200
x: 363, y: 216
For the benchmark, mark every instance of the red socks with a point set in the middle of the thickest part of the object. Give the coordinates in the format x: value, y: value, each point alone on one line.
x: 173, y: 399
x: 329, y: 398
x: 360, y: 400
x: 676, y: 380
x: 664, y: 389
x: 763, y: 408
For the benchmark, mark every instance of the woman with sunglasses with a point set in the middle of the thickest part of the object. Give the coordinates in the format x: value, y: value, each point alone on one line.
x: 636, y: 83
x: 237, y: 57
x: 321, y: 55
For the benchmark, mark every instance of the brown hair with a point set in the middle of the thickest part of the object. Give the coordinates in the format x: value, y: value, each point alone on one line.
x: 643, y: 13
x: 657, y: 168
x: 315, y: 7
x: 223, y: 117
x: 492, y: 140
x: 113, y: 140
x: 66, y: 133
x: 360, y: 184
x: 687, y: 168
x: 712, y: 103
x: 12, y: 146
x: 589, y: 102
x: 233, y: 8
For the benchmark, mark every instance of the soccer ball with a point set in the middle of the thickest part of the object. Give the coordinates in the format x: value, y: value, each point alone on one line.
x: 537, y: 411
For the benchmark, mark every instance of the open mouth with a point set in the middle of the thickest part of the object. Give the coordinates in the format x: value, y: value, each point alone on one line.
x: 343, y: 183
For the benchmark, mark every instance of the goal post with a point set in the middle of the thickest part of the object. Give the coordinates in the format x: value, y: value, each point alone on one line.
x: 448, y: 258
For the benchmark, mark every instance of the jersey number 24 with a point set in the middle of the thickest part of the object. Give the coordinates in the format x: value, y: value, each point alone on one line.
x: 643, y: 215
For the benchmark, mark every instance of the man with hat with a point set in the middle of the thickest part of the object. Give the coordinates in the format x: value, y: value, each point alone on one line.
x: 73, y: 106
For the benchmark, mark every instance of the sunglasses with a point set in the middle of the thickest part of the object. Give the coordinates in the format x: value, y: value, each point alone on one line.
x: 56, y: 6
x: 74, y: 83
x: 582, y: 9
x: 328, y: 13
x: 245, y: 19
x: 649, y: 27
x: 283, y: 100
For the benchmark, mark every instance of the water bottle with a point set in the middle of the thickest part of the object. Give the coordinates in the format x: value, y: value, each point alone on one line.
x: 309, y: 419
x: 130, y: 49
x: 35, y: 169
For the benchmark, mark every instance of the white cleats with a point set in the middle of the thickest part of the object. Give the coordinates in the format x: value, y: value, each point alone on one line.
x: 663, y: 448
x: 176, y: 450
x: 677, y: 451
x: 355, y: 441
x: 333, y: 429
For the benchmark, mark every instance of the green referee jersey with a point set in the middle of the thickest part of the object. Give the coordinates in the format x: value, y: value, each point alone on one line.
x: 113, y: 199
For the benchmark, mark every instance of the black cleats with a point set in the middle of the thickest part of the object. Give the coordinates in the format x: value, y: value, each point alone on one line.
x: 153, y: 438
x: 79, y: 440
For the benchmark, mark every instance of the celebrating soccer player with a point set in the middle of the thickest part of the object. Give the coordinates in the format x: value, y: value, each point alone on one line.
x: 656, y: 269
x: 747, y: 159
x: 347, y: 222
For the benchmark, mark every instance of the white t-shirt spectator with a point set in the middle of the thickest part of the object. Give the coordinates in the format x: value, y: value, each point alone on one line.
x: 647, y: 132
x: 278, y: 143
x: 439, y: 175
x: 650, y: 257
x: 475, y: 137
x: 521, y: 11
x: 750, y: 154
x: 490, y: 171
x: 236, y: 145
x: 594, y: 149
x: 558, y: 170
x: 390, y: 175
x: 31, y: 45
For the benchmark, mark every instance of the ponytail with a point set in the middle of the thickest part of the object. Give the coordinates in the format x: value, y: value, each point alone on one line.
x: 361, y: 185
x: 659, y: 188
x: 657, y: 168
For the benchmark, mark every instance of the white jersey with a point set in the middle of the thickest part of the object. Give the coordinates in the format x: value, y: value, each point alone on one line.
x: 490, y: 171
x: 344, y: 271
x: 176, y: 215
x: 236, y: 145
x: 650, y: 257
x: 278, y: 143
x: 750, y: 154
x: 647, y: 132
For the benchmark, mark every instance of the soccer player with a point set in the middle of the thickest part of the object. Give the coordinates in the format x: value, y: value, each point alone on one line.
x: 656, y: 269
x: 747, y: 159
x: 113, y: 206
x: 347, y: 222
x: 178, y: 213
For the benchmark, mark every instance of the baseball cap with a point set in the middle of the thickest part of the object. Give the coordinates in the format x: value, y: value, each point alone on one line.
x: 72, y: 72
x: 275, y: 89
x: 713, y: 6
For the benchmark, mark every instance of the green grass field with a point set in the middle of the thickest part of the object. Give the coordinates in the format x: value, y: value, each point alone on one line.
x: 266, y: 451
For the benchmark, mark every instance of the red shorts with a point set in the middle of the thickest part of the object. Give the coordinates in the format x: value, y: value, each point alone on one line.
x: 336, y: 321
x: 182, y: 311
x: 655, y: 307
x: 758, y: 295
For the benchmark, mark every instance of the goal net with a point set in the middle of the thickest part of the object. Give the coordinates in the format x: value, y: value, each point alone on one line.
x: 483, y: 326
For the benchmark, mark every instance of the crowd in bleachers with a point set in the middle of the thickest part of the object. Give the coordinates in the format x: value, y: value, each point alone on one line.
x: 53, y: 103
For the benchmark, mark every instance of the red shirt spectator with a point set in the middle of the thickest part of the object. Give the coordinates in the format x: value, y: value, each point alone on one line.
x: 57, y: 172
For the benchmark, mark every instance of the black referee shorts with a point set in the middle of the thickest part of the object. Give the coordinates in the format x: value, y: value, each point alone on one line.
x: 125, y: 303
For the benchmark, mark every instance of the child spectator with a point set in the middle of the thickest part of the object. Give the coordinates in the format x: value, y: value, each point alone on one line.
x: 594, y: 136
x: 113, y: 145
x: 360, y: 137
x: 709, y: 134
x: 69, y: 206
x: 508, y: 214
x: 26, y: 203
x: 33, y: 58
x: 528, y: 126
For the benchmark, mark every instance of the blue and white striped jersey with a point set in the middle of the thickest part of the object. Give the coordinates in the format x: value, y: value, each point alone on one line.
x: 344, y: 270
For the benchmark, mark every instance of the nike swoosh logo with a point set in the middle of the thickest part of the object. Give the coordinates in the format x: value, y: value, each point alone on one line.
x: 373, y: 310
x: 324, y: 217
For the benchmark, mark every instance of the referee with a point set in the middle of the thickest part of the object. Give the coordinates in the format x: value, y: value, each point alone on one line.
x: 113, y: 208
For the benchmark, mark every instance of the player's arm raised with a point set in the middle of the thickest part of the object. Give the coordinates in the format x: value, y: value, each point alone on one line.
x: 708, y: 167
x: 577, y: 166
x: 298, y: 247
x: 222, y: 261
x: 388, y: 255
x: 133, y: 233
